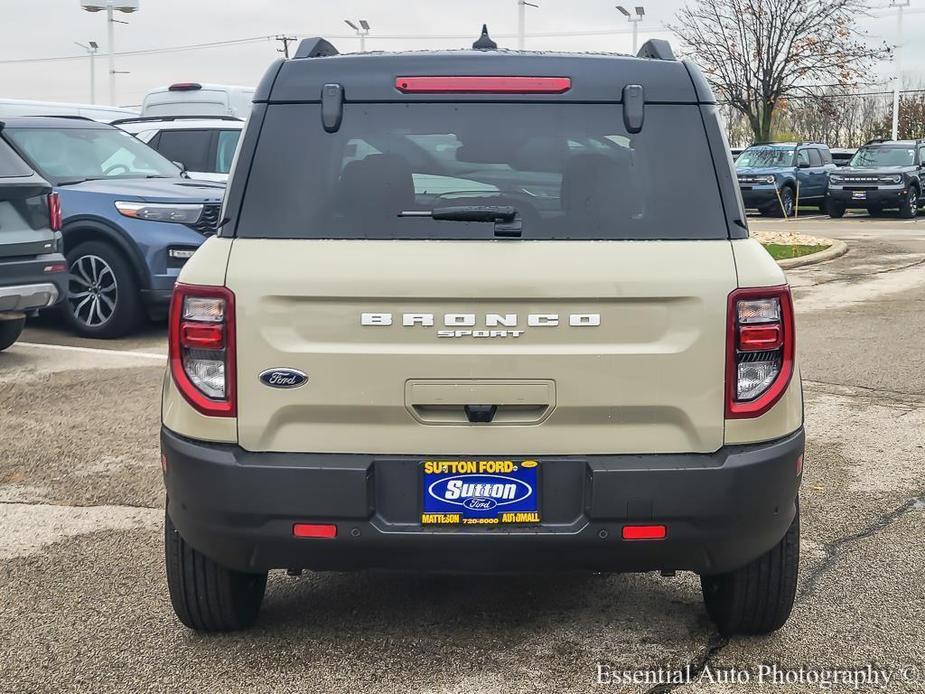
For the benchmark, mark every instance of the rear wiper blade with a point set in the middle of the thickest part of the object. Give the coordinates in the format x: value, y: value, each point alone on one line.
x: 466, y: 213
x: 505, y: 217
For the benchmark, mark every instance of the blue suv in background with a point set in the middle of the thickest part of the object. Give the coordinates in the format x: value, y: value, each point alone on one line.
x: 775, y: 177
x: 130, y: 218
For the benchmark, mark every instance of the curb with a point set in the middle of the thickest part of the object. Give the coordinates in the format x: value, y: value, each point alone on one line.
x: 836, y: 250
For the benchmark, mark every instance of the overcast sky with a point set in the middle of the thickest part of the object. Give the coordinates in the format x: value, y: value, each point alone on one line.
x: 47, y: 28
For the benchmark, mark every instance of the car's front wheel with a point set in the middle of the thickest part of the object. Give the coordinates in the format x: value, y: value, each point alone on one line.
x: 757, y: 598
x: 910, y: 206
x: 102, y: 299
x: 10, y: 330
x: 205, y: 595
x: 785, y: 208
x: 835, y: 209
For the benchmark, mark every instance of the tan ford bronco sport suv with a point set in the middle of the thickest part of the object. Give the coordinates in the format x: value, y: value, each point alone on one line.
x: 457, y: 318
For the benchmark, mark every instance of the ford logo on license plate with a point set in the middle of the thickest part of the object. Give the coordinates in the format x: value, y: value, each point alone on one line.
x: 283, y: 378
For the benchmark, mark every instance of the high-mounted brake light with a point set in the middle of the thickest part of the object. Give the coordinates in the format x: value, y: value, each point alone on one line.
x: 202, y: 348
x: 184, y: 87
x: 55, y: 220
x: 760, y: 348
x: 483, y: 84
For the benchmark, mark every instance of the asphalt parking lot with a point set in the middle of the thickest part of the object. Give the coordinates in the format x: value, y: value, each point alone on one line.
x: 83, y: 603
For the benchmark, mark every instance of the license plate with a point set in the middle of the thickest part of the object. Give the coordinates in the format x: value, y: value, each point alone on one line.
x: 480, y: 492
x: 859, y: 195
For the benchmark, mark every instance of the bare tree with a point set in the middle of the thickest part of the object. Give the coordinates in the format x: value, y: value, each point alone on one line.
x: 757, y: 52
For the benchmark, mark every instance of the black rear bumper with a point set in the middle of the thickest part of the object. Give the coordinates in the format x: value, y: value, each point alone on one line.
x: 722, y: 510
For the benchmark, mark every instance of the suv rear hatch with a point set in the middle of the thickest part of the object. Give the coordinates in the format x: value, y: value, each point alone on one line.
x: 24, y: 214
x: 600, y: 328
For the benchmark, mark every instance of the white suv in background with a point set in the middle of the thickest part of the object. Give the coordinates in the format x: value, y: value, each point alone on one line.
x: 204, y: 145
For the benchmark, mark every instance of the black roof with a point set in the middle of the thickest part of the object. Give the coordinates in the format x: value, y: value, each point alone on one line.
x: 76, y: 122
x: 597, y: 77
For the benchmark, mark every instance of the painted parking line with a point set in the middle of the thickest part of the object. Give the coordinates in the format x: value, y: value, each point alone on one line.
x: 95, y: 350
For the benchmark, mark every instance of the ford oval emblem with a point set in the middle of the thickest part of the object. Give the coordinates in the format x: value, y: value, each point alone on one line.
x: 283, y: 378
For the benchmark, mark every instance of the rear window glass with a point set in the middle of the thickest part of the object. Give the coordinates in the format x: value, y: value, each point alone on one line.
x: 189, y: 147
x: 11, y: 164
x: 570, y: 170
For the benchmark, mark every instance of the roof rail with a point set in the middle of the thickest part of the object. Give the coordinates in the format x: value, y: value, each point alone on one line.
x: 315, y: 47
x: 657, y: 49
x: 57, y: 115
x: 877, y: 140
x: 145, y: 119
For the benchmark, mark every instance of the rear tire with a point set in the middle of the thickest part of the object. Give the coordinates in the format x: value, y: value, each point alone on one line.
x: 206, y: 596
x: 103, y: 300
x: 910, y: 206
x: 757, y: 598
x: 10, y: 330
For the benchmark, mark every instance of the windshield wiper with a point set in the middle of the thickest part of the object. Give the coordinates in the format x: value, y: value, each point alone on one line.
x: 505, y: 217
x: 75, y: 181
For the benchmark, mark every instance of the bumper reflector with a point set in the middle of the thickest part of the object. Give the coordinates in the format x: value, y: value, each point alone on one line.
x: 644, y: 532
x: 314, y: 530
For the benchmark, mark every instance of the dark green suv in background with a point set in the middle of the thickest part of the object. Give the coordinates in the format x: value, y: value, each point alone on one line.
x: 775, y: 177
x: 32, y: 270
x: 882, y: 174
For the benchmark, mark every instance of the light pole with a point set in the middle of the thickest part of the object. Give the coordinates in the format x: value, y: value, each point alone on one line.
x: 522, y: 6
x: 897, y: 78
x: 91, y: 48
x: 110, y: 6
x: 634, y: 19
x: 362, y: 31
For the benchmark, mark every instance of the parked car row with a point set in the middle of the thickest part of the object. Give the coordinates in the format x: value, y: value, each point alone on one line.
x: 776, y: 177
x: 129, y: 218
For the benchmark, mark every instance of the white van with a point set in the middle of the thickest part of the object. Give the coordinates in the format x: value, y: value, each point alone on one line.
x: 195, y: 99
x: 21, y: 107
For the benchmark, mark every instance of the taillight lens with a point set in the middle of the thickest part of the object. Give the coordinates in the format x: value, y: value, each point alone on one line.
x: 202, y: 348
x: 759, y: 350
x: 55, y: 219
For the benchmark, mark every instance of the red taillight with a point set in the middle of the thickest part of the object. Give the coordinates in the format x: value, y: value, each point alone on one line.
x: 644, y: 532
x: 483, y: 84
x: 760, y: 337
x: 202, y: 348
x: 760, y: 348
x: 201, y: 336
x: 55, y: 220
x: 314, y: 530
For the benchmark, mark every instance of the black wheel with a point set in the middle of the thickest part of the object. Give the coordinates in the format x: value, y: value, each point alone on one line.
x: 785, y: 206
x: 836, y: 210
x: 103, y: 299
x: 758, y: 598
x: 910, y: 206
x: 204, y: 595
x: 875, y: 211
x: 10, y: 330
